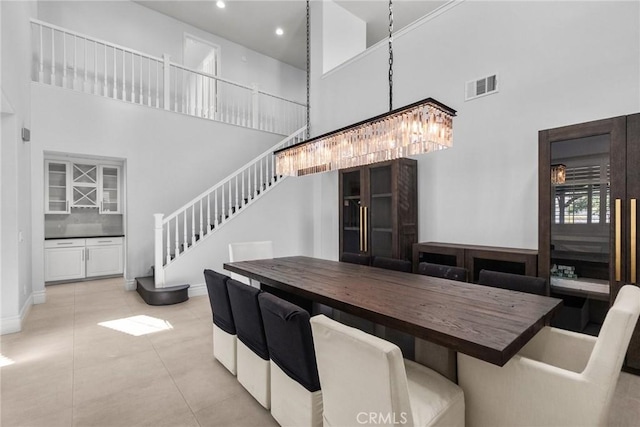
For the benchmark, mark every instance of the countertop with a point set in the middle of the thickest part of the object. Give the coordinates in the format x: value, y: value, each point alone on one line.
x: 86, y: 236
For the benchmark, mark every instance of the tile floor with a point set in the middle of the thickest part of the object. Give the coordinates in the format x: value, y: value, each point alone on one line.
x: 71, y: 371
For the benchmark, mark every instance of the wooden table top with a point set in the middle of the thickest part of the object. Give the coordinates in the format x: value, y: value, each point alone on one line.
x: 487, y: 323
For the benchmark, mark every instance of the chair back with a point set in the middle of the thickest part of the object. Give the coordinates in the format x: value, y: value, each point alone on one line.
x: 352, y: 258
x: 246, y: 313
x: 247, y: 251
x: 513, y: 282
x: 610, y: 349
x: 289, y: 340
x: 392, y: 264
x: 219, y: 300
x: 443, y: 271
x: 359, y: 373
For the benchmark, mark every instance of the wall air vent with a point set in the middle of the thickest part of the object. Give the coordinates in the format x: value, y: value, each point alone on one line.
x: 481, y: 87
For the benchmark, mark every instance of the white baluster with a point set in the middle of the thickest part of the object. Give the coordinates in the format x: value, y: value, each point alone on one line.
x: 255, y: 180
x: 168, y: 243
x: 53, y: 57
x: 149, y: 82
x: 75, y: 63
x: 209, y: 223
x: 95, y: 68
x: 177, y: 252
x: 193, y: 224
x: 184, y: 222
x: 106, y: 84
x: 86, y: 79
x: 237, y: 205
x: 222, y: 201
x: 230, y: 201
x: 166, y: 82
x: 261, y: 177
x: 133, y: 78
x: 243, y: 202
x: 41, y: 73
x: 196, y: 95
x: 215, y: 207
x: 115, y: 74
x: 158, y: 268
x: 201, y: 229
x: 64, y: 59
x: 272, y: 175
x: 141, y: 96
x: 124, y: 76
x: 157, y: 84
x: 175, y: 89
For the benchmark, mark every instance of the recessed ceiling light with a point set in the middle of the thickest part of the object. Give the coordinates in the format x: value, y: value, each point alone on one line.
x: 279, y: 31
x: 221, y: 4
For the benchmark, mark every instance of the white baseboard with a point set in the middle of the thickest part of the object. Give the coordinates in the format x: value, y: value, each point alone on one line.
x: 129, y: 284
x: 10, y: 325
x: 197, y: 290
x: 40, y: 297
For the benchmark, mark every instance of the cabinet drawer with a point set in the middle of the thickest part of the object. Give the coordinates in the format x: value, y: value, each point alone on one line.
x: 102, y: 241
x: 64, y: 243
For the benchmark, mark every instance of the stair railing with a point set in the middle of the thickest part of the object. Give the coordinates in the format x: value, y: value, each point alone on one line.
x: 75, y: 61
x: 180, y: 231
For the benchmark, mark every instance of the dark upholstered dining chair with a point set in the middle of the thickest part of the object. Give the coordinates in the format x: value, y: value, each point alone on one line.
x: 252, y: 351
x: 392, y: 264
x: 443, y: 271
x: 224, y: 328
x: 513, y: 282
x: 352, y: 258
x: 296, y: 398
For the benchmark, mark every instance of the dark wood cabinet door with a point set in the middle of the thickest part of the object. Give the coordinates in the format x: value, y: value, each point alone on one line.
x: 378, y: 209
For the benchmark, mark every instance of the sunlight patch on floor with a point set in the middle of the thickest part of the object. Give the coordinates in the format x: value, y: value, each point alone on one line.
x: 5, y: 361
x: 138, y: 325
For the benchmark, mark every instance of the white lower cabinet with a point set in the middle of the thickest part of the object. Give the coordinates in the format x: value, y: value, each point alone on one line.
x: 104, y: 256
x: 69, y: 259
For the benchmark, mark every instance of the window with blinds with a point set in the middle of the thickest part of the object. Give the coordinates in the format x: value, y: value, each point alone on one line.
x: 584, y: 198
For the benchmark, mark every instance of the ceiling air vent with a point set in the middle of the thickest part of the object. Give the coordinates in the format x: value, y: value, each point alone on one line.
x: 481, y: 87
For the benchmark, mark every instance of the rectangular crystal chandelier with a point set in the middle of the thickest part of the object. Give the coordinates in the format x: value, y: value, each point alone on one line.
x: 418, y: 128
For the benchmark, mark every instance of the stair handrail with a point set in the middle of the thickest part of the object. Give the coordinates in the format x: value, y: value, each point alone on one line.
x: 94, y: 39
x: 231, y: 82
x: 233, y: 175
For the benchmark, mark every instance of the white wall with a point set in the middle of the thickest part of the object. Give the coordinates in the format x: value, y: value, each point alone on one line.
x: 170, y: 158
x: 132, y: 25
x: 15, y: 212
x: 284, y: 216
x: 344, y: 35
x: 558, y: 62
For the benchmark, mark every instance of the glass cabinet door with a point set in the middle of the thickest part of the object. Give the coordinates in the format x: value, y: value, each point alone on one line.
x: 351, y: 212
x: 109, y: 189
x: 57, y: 187
x: 380, y: 211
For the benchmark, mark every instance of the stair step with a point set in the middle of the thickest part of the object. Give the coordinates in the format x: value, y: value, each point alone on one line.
x: 145, y: 286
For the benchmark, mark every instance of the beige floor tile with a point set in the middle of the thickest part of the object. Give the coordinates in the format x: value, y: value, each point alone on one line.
x: 625, y: 412
x: 239, y: 410
x: 145, y: 404
x: 118, y: 345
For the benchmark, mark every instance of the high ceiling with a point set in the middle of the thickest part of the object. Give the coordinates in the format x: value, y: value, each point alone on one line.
x: 252, y: 23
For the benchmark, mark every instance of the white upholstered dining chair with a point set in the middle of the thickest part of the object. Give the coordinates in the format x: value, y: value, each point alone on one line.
x: 364, y: 380
x: 560, y: 378
x: 246, y: 251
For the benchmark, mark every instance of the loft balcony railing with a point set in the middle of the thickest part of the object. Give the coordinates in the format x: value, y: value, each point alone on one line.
x: 75, y: 61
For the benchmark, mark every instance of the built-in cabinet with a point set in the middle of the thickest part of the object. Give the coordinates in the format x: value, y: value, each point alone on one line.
x: 81, y: 185
x: 70, y: 259
x: 589, y: 184
x: 378, y: 209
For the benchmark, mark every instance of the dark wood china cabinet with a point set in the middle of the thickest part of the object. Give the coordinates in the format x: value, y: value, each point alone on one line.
x: 379, y: 209
x: 589, y: 186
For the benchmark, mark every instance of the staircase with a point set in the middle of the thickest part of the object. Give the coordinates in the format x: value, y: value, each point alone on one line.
x: 182, y: 231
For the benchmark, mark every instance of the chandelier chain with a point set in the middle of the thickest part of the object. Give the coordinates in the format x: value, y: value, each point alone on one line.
x: 390, y: 55
x: 308, y: 72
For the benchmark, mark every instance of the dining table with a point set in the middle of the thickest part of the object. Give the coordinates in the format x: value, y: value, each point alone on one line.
x: 488, y: 323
